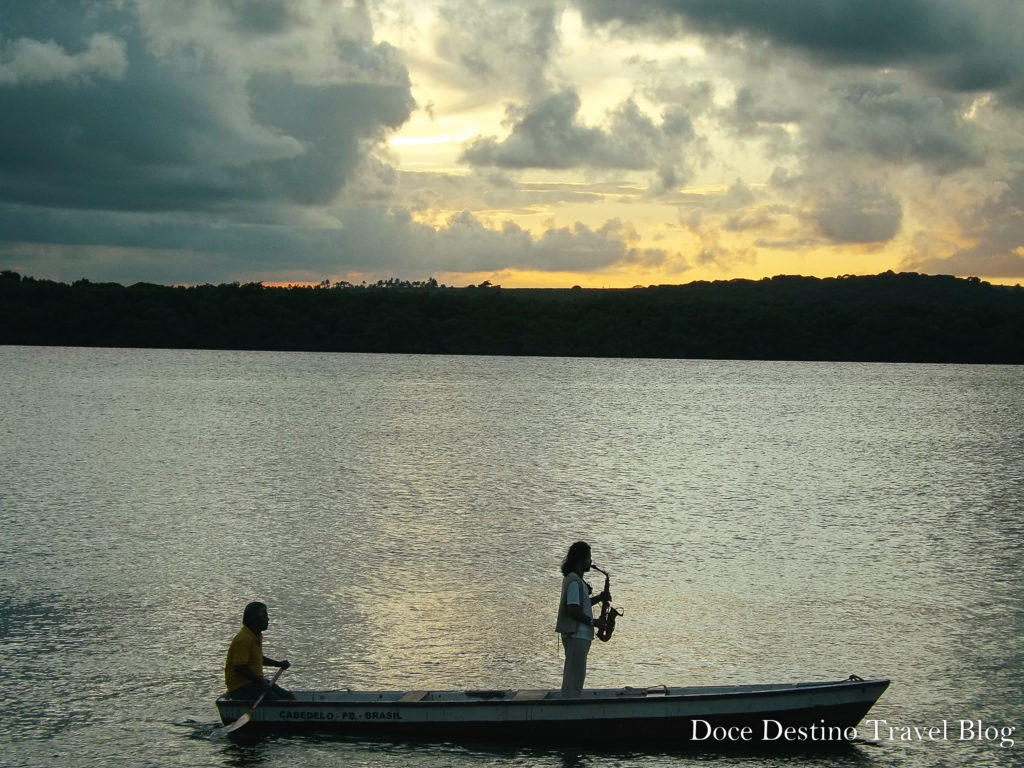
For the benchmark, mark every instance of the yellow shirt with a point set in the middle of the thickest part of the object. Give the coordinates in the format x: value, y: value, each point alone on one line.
x: 245, y: 649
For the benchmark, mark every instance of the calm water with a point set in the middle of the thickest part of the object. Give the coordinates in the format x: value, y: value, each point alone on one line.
x: 405, y: 516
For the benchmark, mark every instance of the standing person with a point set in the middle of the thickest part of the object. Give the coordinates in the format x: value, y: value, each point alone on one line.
x: 243, y: 667
x: 575, y: 621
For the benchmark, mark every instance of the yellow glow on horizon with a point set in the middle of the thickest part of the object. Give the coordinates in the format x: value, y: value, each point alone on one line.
x: 725, y: 223
x: 624, y: 276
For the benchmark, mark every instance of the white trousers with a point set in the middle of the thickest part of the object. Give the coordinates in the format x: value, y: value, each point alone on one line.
x: 574, y: 671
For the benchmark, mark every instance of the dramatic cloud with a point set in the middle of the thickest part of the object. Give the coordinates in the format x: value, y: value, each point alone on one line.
x: 184, y: 124
x: 959, y: 46
x: 549, y: 135
x: 533, y: 142
x: 499, y: 47
x: 855, y: 214
x: 26, y: 61
x: 994, y: 228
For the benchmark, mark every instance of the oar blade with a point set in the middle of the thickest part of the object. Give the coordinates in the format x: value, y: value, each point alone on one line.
x: 240, y: 722
x: 248, y: 715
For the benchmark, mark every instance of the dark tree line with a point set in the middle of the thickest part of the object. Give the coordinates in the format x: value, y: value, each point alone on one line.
x: 890, y: 317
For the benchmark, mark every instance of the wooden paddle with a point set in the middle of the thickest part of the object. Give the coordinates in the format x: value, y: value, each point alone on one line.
x: 248, y: 715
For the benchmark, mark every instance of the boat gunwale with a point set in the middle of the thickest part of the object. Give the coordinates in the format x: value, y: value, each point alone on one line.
x: 642, y: 696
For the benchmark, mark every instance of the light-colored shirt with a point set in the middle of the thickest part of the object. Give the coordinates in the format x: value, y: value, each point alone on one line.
x: 573, y: 596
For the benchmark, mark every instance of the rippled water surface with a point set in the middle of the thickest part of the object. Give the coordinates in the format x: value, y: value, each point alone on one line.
x: 405, y: 516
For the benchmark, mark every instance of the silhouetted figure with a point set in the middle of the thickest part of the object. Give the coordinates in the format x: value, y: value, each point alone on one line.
x: 575, y: 622
x: 243, y: 667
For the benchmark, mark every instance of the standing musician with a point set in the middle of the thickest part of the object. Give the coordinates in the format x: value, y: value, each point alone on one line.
x: 576, y: 621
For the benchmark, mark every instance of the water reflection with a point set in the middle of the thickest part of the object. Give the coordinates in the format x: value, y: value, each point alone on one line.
x: 325, y: 749
x: 404, y: 518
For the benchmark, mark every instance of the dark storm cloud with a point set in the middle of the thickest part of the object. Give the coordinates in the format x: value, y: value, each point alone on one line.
x: 247, y: 139
x: 262, y: 16
x: 958, y: 45
x: 858, y: 213
x: 549, y: 134
x: 873, y: 122
x: 121, y: 246
x: 852, y: 29
x: 882, y: 120
x: 330, y: 121
x: 171, y: 126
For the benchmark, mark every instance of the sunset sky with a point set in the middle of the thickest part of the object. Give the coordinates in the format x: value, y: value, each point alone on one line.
x: 600, y: 143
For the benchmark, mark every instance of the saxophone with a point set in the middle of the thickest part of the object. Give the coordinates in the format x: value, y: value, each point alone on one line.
x: 608, y: 613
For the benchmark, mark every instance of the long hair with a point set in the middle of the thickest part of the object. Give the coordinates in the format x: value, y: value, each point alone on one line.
x: 577, y: 553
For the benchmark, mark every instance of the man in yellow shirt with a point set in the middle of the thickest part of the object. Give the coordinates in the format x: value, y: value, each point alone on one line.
x: 243, y: 667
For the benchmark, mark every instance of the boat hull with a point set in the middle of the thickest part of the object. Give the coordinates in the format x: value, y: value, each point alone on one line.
x: 752, y: 715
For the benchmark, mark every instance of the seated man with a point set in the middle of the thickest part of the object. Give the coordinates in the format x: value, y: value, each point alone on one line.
x: 243, y: 667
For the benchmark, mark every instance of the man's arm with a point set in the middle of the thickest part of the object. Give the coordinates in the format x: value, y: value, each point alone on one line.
x: 244, y: 671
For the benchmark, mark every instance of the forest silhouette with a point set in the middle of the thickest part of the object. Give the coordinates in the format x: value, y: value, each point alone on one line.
x: 891, y: 317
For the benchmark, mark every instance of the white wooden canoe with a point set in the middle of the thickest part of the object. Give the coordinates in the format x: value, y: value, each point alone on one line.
x: 781, y: 713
